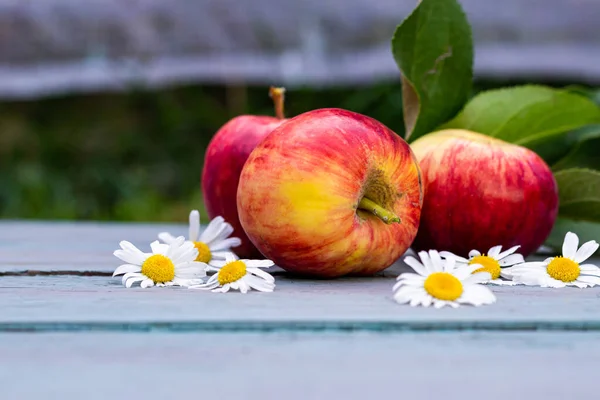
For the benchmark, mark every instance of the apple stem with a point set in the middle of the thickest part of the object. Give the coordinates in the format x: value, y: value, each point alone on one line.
x: 278, y: 96
x: 385, y: 215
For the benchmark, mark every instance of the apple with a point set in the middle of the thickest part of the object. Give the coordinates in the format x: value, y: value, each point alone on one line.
x: 481, y: 192
x: 330, y: 193
x: 223, y: 161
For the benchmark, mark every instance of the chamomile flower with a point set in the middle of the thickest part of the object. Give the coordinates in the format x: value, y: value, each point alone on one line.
x: 441, y: 282
x: 213, y: 243
x: 561, y: 271
x: 496, y: 262
x: 167, y: 265
x: 241, y: 275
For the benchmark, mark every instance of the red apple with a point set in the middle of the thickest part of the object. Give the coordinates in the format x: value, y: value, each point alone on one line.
x: 225, y: 156
x: 481, y: 192
x: 330, y: 193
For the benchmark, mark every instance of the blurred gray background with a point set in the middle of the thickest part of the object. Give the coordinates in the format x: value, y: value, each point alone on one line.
x: 107, y: 106
x: 58, y: 46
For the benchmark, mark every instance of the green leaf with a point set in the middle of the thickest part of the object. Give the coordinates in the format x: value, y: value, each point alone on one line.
x: 433, y: 48
x: 554, y: 148
x: 585, y: 153
x: 585, y: 230
x: 526, y: 114
x: 579, y: 194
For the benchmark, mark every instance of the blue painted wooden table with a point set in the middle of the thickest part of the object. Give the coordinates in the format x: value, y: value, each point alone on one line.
x: 70, y: 331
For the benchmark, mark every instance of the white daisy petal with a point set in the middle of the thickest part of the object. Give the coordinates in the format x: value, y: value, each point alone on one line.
x: 212, y: 230
x: 416, y: 265
x: 463, y: 271
x: 128, y: 275
x: 415, y: 300
x: 409, y: 275
x: 436, y: 260
x: 190, y: 273
x: 259, y: 285
x: 531, y: 264
x: 502, y: 282
x: 586, y: 251
x: 405, y: 293
x: 494, y: 251
x: 508, y: 252
x: 134, y: 279
x: 187, y: 282
x: 146, y: 283
x: 262, y: 274
x: 589, y: 269
x: 418, y: 280
x: 589, y: 279
x: 159, y: 248
x: 194, y: 228
x: 217, y: 264
x: 447, y: 254
x: 225, y: 244
x: 221, y: 255
x: 243, y: 286
x: 425, y: 260
x: 166, y: 237
x: 186, y: 253
x: 439, y: 303
x: 474, y: 253
x: 426, y: 300
x: 569, y: 248
x: 579, y: 284
x: 511, y: 259
x: 539, y: 279
x: 230, y: 258
x: 449, y: 265
x: 223, y: 289
x: 477, y: 295
x: 126, y: 268
x: 205, y: 286
x: 224, y: 231
x: 258, y: 263
x: 478, y: 277
x: 128, y: 246
x: 136, y: 258
x: 419, y: 298
x: 519, y: 269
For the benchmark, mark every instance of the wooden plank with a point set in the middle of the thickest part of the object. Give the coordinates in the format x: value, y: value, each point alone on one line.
x: 497, y: 366
x: 85, y: 299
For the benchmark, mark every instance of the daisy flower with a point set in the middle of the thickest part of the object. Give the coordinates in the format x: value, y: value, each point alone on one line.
x: 561, y: 271
x: 241, y: 275
x: 495, y: 262
x: 441, y: 282
x: 213, y: 243
x: 167, y: 265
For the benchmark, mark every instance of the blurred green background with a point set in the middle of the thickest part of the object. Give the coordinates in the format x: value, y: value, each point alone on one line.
x: 138, y: 156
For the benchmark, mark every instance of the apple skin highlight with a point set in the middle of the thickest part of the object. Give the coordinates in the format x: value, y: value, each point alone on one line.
x: 481, y: 192
x: 300, y: 188
x: 223, y: 161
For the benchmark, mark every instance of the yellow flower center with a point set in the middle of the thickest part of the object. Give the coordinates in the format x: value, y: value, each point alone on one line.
x: 563, y: 269
x: 232, y: 272
x: 489, y: 264
x: 159, y: 268
x: 443, y: 286
x: 204, y: 254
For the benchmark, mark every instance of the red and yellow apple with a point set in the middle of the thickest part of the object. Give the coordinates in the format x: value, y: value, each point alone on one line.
x: 481, y: 192
x: 225, y: 156
x: 329, y: 193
